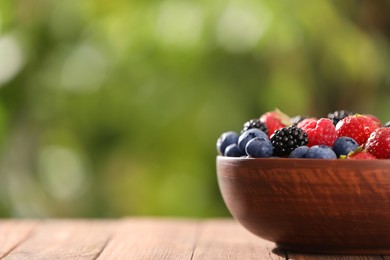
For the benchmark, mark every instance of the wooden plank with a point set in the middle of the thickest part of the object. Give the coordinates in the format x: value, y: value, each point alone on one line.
x: 386, y: 257
x: 64, y: 239
x: 226, y: 239
x: 12, y: 233
x: 301, y: 256
x: 152, y: 239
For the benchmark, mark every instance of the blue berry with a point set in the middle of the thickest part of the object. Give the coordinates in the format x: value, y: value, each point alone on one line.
x: 320, y: 152
x: 344, y: 145
x: 225, y: 140
x: 259, y: 147
x: 299, y: 152
x: 249, y: 135
x: 233, y: 151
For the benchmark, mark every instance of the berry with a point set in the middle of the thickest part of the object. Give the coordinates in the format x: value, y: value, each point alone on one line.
x: 287, y: 139
x: 275, y: 120
x: 259, y: 147
x: 361, y: 155
x: 378, y: 122
x: 233, y: 151
x: 307, y: 121
x: 344, y: 145
x: 320, y: 152
x: 249, y: 135
x: 225, y: 140
x: 387, y: 124
x: 320, y: 132
x: 336, y: 116
x: 358, y: 127
x: 296, y: 119
x: 299, y: 152
x: 255, y: 123
x: 378, y: 144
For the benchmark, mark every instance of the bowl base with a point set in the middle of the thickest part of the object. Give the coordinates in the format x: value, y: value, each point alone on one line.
x: 333, y: 250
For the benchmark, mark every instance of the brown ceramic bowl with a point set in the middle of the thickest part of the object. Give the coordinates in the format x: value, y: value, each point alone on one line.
x: 311, y: 205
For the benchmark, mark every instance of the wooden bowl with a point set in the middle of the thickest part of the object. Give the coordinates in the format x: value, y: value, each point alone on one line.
x: 311, y: 205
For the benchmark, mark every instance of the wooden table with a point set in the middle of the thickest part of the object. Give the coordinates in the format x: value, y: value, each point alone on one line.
x: 140, y: 238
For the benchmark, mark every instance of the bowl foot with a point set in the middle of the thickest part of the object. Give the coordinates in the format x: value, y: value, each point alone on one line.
x: 333, y: 249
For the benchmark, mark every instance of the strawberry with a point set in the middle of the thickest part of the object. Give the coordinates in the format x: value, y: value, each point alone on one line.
x: 275, y: 120
x: 377, y: 120
x: 320, y: 132
x: 359, y: 154
x: 362, y: 155
x: 378, y: 143
x: 358, y: 127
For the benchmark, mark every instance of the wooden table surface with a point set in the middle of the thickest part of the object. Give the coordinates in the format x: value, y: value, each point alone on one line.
x: 140, y: 238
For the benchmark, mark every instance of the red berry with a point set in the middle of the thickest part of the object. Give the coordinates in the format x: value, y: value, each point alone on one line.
x: 308, y: 121
x: 274, y: 120
x: 378, y: 143
x: 362, y: 155
x: 378, y: 122
x: 320, y: 132
x: 358, y: 127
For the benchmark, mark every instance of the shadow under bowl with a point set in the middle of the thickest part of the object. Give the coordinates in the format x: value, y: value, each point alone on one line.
x: 311, y: 205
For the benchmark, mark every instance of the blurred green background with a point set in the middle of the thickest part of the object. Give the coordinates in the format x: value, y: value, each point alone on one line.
x: 113, y: 108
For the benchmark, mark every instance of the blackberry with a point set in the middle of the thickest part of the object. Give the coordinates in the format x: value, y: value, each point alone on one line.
x: 255, y: 123
x: 287, y: 139
x: 338, y: 115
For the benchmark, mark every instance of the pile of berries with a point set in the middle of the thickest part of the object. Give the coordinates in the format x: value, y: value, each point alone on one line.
x: 341, y: 134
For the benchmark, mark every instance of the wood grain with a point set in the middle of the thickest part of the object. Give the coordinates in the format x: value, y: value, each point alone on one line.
x: 143, y: 238
x: 152, y: 239
x: 64, y: 239
x: 225, y: 239
x: 12, y: 233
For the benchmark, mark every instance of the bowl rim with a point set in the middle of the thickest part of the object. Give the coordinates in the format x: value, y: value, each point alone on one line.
x: 300, y: 161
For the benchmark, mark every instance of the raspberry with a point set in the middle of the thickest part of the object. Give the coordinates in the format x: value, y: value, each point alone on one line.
x: 336, y: 116
x: 378, y: 144
x: 275, y: 120
x: 255, y: 123
x: 358, y: 127
x: 320, y: 132
x: 286, y: 139
x: 307, y: 121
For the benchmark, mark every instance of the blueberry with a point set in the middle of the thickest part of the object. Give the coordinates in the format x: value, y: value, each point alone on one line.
x: 320, y: 152
x: 233, y: 151
x: 225, y: 140
x: 299, y: 152
x: 249, y: 135
x: 344, y: 145
x: 259, y: 147
x: 387, y: 124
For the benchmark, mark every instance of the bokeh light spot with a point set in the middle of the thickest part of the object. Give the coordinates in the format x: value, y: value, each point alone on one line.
x: 240, y: 28
x: 62, y: 172
x: 179, y: 24
x: 84, y: 70
x: 11, y: 58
